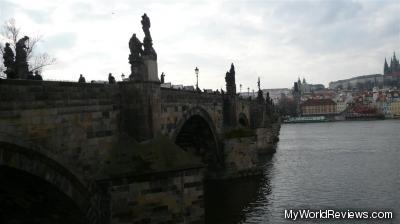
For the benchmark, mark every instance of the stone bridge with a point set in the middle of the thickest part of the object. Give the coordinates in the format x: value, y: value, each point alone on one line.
x: 130, y: 152
x: 63, y: 137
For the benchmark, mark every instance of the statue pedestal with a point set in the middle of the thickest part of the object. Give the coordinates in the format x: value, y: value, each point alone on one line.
x: 145, y: 69
x: 151, y: 71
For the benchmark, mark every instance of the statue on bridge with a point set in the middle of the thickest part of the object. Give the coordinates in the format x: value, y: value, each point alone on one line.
x: 260, y: 94
x: 147, y: 41
x: 143, y: 57
x: 21, y: 58
x: 135, y: 46
x: 162, y: 77
x: 9, y: 63
x: 81, y: 79
x: 111, y: 79
x: 38, y: 76
x: 230, y: 81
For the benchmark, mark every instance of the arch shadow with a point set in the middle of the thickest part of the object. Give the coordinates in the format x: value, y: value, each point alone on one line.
x: 243, y: 120
x: 199, y: 118
x: 26, y: 158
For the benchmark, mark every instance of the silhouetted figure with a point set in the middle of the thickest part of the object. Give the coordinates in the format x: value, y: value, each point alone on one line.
x: 162, y: 77
x: 81, y: 79
x: 30, y: 76
x: 111, y: 79
x: 8, y: 56
x: 230, y: 81
x: 135, y: 46
x: 21, y: 57
x: 9, y: 63
x: 147, y: 41
x: 38, y: 76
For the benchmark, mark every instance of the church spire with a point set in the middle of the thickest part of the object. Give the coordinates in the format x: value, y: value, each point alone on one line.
x: 386, y: 69
x: 396, y: 64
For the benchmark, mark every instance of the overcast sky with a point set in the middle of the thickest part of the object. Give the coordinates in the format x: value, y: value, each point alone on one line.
x: 276, y: 40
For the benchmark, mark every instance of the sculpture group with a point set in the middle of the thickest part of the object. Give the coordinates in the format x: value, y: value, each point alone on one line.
x: 142, y: 56
x: 17, y: 67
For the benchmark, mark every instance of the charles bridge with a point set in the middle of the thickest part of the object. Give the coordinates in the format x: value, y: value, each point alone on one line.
x: 129, y: 152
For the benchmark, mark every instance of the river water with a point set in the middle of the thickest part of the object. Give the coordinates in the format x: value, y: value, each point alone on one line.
x: 344, y: 166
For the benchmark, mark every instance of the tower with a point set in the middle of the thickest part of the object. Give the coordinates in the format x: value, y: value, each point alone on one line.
x: 230, y: 81
x: 386, y: 69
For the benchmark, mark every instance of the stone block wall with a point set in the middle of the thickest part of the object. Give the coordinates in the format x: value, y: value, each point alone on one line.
x: 241, y: 158
x: 175, y: 104
x: 170, y: 197
x: 73, y: 123
x: 140, y: 108
x: 243, y: 107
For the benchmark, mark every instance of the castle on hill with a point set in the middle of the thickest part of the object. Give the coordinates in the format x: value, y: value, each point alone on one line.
x: 394, y: 66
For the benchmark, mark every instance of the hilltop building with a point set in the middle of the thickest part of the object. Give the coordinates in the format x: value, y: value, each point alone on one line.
x: 394, y: 66
x: 359, y: 82
x: 392, y: 72
x: 390, y: 78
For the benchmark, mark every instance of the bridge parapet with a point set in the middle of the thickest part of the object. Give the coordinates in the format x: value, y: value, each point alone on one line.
x: 74, y: 122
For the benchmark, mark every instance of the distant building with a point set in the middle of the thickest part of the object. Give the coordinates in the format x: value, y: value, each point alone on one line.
x: 191, y: 88
x: 391, y: 73
x: 367, y: 82
x: 166, y: 85
x: 394, y: 66
x: 276, y: 94
x: 177, y: 86
x: 394, y: 109
x: 318, y: 107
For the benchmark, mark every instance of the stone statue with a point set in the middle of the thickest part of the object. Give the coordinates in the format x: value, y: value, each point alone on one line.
x: 81, y: 79
x: 143, y: 57
x: 38, y: 76
x: 258, y: 84
x: 22, y: 49
x: 230, y: 81
x: 147, y: 41
x: 30, y: 76
x: 162, y: 77
x: 21, y: 57
x: 9, y: 62
x: 146, y: 25
x: 135, y: 46
x: 111, y: 79
x: 8, y: 56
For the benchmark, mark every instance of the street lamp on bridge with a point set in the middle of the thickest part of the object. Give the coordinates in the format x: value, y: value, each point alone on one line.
x: 196, y: 70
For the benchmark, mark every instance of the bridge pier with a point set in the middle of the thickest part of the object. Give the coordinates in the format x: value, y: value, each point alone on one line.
x: 141, y: 109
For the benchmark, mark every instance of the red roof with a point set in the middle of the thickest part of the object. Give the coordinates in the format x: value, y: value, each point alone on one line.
x: 318, y: 102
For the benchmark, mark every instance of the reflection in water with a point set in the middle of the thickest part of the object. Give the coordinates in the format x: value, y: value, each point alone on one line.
x: 337, y: 165
x: 226, y: 201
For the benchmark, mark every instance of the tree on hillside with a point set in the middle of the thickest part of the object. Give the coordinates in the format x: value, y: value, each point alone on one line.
x: 10, y: 33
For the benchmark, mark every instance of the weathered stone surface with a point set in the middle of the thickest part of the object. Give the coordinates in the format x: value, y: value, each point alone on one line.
x: 78, y: 127
x: 160, y: 198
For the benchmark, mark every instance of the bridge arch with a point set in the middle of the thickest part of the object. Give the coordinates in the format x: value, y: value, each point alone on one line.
x: 243, y: 121
x: 196, y: 133
x: 42, y: 184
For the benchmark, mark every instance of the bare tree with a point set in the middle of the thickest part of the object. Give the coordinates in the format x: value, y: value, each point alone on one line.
x: 10, y: 33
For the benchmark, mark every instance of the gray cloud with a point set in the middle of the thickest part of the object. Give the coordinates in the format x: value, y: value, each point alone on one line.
x: 277, y: 40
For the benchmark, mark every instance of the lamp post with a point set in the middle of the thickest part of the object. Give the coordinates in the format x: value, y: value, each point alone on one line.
x: 248, y: 91
x: 196, y: 70
x: 240, y: 91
